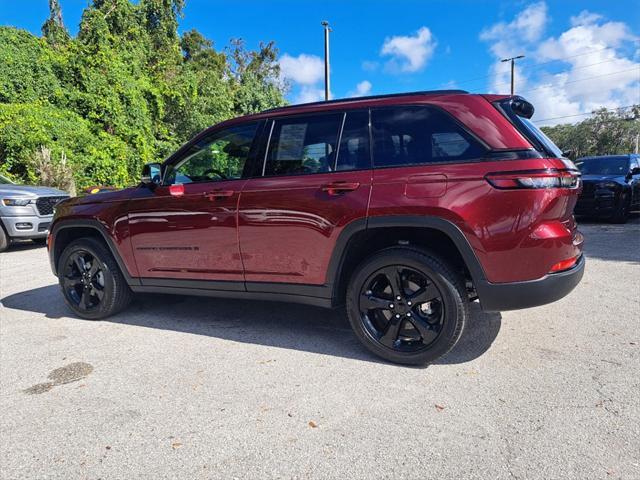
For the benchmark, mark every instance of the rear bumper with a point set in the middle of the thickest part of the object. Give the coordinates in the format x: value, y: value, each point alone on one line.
x: 532, y: 293
x: 27, y: 226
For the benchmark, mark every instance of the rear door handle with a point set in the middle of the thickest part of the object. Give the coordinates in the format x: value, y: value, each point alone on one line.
x: 336, y: 188
x: 219, y: 194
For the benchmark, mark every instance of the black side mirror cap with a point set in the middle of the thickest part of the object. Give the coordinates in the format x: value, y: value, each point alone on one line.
x: 151, y: 174
x: 635, y: 171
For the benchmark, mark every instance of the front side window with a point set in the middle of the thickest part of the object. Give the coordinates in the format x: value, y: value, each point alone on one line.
x: 221, y: 156
x: 303, y: 145
x: 417, y: 135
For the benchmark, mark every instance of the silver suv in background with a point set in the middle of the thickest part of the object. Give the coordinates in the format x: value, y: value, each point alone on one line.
x: 26, y: 211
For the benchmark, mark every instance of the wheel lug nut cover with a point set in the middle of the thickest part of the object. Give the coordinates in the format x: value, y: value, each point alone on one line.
x: 391, y: 305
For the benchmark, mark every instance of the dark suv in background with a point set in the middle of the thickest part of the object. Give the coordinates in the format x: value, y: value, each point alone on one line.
x: 611, y: 186
x: 403, y: 207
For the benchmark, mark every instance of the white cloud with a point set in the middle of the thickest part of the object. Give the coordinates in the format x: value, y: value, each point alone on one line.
x: 303, y: 69
x: 308, y: 94
x: 363, y: 88
x: 580, y: 70
x: 528, y: 26
x: 409, y: 53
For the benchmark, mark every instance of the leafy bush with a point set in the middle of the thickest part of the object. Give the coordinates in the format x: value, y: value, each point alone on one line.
x: 127, y: 90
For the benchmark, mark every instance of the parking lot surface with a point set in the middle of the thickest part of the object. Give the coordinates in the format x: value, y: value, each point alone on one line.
x: 185, y: 387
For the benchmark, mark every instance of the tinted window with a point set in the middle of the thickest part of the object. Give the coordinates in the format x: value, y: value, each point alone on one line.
x: 221, y: 156
x: 303, y: 145
x: 415, y: 135
x: 603, y: 165
x: 354, y: 142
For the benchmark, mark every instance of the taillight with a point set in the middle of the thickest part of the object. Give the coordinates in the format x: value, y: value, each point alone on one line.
x: 564, y: 265
x: 534, y: 179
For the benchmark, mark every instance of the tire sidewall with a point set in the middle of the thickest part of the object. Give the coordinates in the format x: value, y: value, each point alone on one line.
x: 98, y: 253
x: 445, y: 281
x: 4, y: 239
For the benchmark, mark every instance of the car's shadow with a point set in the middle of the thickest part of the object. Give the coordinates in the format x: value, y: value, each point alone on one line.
x: 281, y: 325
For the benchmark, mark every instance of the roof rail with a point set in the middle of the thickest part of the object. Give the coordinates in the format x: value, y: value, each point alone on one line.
x: 371, y: 97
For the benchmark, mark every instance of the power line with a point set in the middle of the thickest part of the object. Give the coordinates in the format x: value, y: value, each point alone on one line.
x: 566, y: 71
x: 593, y: 112
x: 533, y: 67
x: 583, y: 79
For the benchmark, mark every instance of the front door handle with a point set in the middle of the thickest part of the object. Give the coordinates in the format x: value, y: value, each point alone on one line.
x: 336, y: 188
x: 216, y: 194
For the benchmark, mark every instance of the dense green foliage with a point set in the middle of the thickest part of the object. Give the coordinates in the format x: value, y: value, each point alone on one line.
x: 604, y: 133
x: 127, y: 90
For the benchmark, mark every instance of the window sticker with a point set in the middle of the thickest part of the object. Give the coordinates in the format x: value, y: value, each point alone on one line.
x: 291, y: 142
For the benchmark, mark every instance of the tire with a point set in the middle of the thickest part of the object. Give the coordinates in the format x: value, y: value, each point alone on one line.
x: 621, y: 214
x: 91, y: 281
x: 432, y: 328
x: 4, y: 239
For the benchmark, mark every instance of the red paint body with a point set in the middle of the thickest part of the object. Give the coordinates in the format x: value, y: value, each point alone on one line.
x: 285, y: 229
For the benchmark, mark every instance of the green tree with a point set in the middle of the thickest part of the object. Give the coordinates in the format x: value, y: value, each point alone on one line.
x: 53, y: 28
x: 605, y: 133
x: 128, y: 89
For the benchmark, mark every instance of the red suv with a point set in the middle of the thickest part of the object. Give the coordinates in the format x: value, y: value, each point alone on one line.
x: 403, y: 207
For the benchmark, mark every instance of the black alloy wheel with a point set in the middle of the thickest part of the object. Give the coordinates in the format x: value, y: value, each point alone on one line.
x: 401, y: 308
x: 91, y: 281
x: 407, y: 305
x: 83, y: 280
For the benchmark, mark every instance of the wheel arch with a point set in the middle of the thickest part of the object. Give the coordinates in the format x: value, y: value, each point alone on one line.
x: 362, y: 238
x: 64, y: 232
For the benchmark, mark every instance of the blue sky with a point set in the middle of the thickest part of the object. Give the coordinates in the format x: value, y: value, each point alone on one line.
x: 579, y: 54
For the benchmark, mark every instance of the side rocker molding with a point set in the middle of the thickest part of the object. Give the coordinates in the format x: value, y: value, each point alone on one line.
x: 100, y: 228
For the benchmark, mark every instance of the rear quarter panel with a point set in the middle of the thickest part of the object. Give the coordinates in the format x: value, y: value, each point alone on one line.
x: 517, y: 235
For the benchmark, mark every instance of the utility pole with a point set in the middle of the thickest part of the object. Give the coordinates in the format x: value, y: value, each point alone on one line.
x: 327, y: 80
x: 513, y: 62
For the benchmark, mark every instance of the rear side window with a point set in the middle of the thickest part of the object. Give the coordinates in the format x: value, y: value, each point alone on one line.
x: 418, y: 135
x: 303, y: 145
x: 354, y: 142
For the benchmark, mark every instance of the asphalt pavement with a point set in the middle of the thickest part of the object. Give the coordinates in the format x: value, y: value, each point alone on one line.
x: 186, y: 387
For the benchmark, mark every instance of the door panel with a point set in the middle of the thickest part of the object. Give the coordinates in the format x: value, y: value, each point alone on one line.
x: 288, y: 226
x: 189, y: 236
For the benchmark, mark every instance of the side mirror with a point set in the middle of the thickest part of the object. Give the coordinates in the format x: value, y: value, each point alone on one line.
x: 635, y: 171
x: 151, y: 174
x: 567, y: 153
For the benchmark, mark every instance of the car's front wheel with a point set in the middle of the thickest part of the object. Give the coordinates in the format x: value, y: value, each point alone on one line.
x: 407, y: 306
x: 91, y: 282
x: 4, y: 240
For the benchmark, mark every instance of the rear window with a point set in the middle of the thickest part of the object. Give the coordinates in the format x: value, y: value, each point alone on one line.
x: 529, y: 129
x: 413, y: 135
x: 303, y: 145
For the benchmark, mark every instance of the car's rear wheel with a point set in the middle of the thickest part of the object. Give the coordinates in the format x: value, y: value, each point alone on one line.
x: 407, y: 306
x: 91, y: 282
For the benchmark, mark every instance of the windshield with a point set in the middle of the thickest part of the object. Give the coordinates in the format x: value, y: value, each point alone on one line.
x: 603, y: 165
x: 5, y: 181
